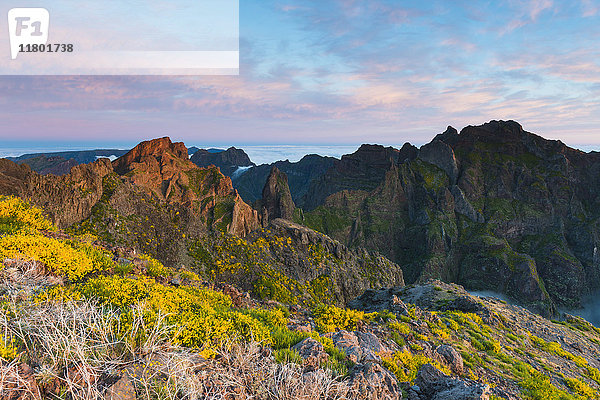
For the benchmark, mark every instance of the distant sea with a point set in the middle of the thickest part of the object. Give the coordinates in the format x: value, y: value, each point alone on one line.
x: 259, y: 154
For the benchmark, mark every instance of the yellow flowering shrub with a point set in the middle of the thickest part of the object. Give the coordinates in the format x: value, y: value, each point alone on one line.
x: 59, y: 257
x: 58, y: 294
x: 329, y: 318
x: 7, y: 350
x: 272, y: 318
x: 201, y: 318
x: 101, y: 260
x: 17, y: 215
x: 155, y: 268
x: 405, y: 365
x: 399, y: 327
x: 274, y: 285
x: 581, y: 388
x: 556, y: 348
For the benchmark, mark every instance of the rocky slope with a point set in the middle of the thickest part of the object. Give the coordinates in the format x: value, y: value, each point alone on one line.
x: 292, y: 264
x: 118, y: 324
x: 515, y: 353
x: 494, y: 207
x: 145, y: 199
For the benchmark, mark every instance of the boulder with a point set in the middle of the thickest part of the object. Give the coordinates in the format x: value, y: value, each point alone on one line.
x: 435, y: 385
x: 451, y: 357
x: 373, y: 300
x: 123, y: 389
x: 312, y: 352
x: 372, y: 381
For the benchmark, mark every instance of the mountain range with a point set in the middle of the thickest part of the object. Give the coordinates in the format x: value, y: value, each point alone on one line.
x: 167, y: 271
x: 493, y: 207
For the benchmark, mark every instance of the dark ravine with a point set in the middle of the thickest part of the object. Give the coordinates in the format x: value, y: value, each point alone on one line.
x: 300, y: 175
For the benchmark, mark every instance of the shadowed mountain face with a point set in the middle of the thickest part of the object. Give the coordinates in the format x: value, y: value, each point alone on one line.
x: 300, y: 176
x: 362, y: 170
x: 493, y: 208
x: 46, y: 165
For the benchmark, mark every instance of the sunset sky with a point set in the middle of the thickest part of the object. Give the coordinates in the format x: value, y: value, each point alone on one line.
x: 343, y: 72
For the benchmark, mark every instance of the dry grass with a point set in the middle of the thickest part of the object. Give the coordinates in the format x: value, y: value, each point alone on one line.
x: 22, y: 278
x: 78, y: 346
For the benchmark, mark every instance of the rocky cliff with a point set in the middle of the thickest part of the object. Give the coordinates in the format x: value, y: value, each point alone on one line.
x: 362, y: 170
x: 276, y: 199
x: 492, y: 207
x: 67, y: 199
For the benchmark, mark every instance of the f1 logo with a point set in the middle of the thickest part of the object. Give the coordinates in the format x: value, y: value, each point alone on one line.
x: 27, y: 26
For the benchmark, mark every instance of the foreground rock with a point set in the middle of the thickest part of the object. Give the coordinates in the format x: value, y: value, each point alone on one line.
x: 432, y: 384
x: 372, y: 381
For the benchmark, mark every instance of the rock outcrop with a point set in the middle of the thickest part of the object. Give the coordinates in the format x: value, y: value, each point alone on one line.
x: 276, y: 199
x: 67, y: 199
x: 435, y: 385
x: 442, y: 156
x: 290, y: 263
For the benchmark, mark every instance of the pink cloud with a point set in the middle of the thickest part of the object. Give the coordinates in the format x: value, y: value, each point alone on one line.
x: 589, y: 9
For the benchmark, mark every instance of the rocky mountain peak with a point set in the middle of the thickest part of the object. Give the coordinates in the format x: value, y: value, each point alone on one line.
x: 156, y: 148
x: 408, y: 152
x: 441, y: 155
x: 374, y: 155
x: 277, y: 200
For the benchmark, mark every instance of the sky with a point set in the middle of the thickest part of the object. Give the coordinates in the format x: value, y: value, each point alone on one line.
x: 342, y: 72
